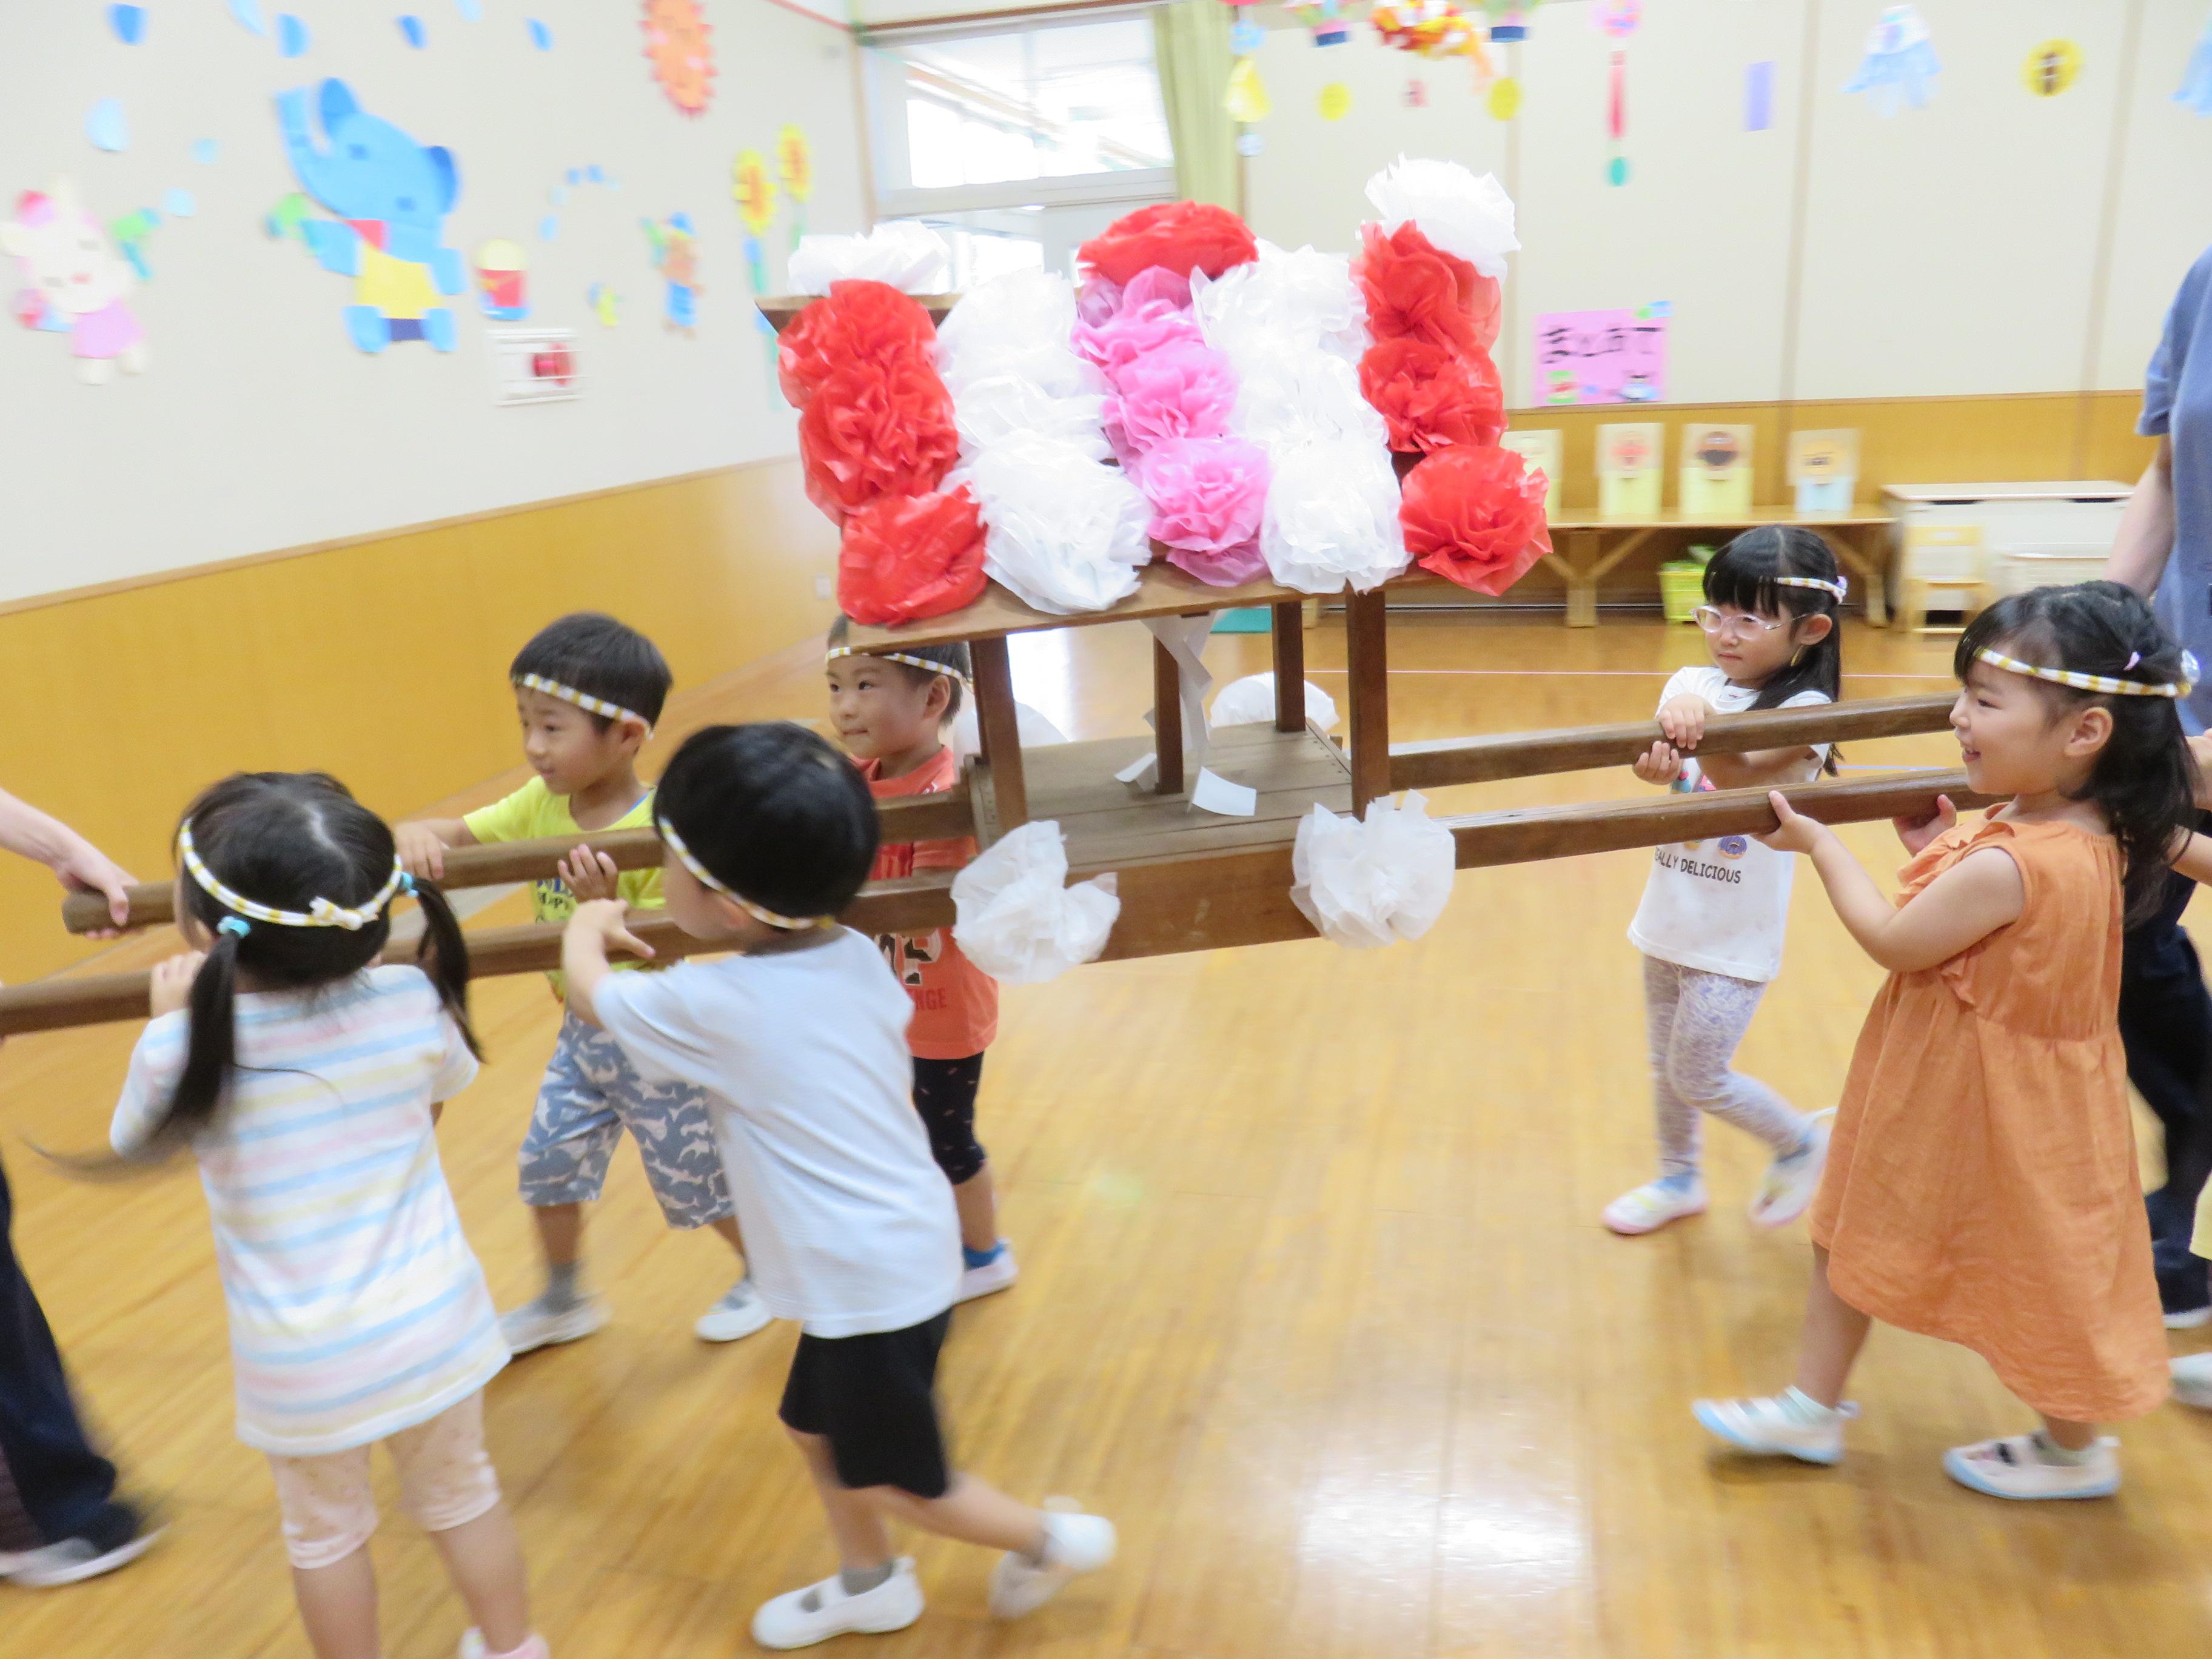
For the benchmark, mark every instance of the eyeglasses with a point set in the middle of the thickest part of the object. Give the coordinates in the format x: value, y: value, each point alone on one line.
x: 1714, y: 620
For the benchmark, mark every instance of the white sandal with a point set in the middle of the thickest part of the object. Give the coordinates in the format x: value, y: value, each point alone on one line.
x: 2014, y: 1466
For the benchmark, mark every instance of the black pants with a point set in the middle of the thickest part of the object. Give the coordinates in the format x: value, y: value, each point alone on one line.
x: 52, y: 1485
x: 2166, y: 1023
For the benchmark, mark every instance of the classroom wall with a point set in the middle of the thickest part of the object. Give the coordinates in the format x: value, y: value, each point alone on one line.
x: 1993, y: 242
x: 258, y: 424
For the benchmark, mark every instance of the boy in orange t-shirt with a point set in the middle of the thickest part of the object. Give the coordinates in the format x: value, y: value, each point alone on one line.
x: 891, y: 712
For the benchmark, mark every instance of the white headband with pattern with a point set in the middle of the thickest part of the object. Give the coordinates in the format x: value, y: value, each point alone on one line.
x: 320, y: 913
x: 1841, y: 587
x: 583, y: 699
x: 922, y: 663
x: 2103, y: 683
x: 757, y: 912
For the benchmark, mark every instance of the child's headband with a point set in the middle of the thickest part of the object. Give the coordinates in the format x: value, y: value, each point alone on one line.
x: 1840, y: 588
x: 758, y: 913
x: 583, y: 699
x: 922, y: 663
x: 2103, y: 683
x: 321, y: 913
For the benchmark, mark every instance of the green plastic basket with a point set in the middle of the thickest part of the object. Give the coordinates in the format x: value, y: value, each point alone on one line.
x: 1682, y: 589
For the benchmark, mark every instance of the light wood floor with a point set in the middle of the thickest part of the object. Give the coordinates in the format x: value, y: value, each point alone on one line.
x: 1315, y: 1304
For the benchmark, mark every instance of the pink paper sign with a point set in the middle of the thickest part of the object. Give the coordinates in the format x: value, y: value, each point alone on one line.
x: 1600, y: 356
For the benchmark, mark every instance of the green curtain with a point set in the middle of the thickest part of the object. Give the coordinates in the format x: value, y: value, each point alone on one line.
x: 1191, y: 40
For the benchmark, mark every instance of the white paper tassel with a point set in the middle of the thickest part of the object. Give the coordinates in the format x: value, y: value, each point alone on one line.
x: 1019, y: 920
x: 910, y: 257
x: 1372, y: 881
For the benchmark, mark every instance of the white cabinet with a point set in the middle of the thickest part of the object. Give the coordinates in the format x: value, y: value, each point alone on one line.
x: 1956, y: 547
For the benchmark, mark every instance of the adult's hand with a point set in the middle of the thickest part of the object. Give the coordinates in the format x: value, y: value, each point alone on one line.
x: 84, y: 868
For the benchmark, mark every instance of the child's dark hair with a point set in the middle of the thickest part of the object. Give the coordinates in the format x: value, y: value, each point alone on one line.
x: 2144, y: 780
x: 602, y: 657
x: 286, y: 840
x: 957, y: 667
x: 779, y: 817
x: 1745, y: 575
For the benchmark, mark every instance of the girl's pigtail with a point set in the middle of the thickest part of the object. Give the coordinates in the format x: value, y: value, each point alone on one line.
x: 443, y: 955
x: 211, y: 1050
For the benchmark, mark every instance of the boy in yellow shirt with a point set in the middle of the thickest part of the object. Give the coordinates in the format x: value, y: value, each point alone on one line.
x: 588, y: 689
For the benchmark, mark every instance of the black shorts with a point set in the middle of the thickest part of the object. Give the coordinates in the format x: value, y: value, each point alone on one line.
x: 945, y: 1095
x: 871, y: 1398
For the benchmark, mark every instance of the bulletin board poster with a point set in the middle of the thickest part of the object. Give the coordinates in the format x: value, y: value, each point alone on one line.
x: 1600, y: 356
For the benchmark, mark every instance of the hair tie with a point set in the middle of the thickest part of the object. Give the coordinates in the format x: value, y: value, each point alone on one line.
x: 236, y: 926
x: 407, y: 884
x: 2134, y: 656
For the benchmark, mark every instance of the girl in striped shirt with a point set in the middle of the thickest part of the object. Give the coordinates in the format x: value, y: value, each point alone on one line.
x: 306, y: 1079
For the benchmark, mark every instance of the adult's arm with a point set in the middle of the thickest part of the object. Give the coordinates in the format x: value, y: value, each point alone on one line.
x: 81, y: 866
x: 2145, y: 541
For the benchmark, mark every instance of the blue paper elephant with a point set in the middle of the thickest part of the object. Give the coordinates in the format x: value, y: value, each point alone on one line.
x: 390, y: 196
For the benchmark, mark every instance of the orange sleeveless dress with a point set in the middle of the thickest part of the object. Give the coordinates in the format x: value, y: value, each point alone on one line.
x: 1981, y: 1183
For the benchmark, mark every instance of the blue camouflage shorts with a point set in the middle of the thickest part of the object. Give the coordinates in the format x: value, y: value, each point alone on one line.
x: 591, y: 1094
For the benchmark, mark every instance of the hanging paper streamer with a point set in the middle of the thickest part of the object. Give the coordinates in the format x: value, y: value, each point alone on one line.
x: 1899, y: 67
x: 1617, y: 20
x: 2051, y: 68
x: 795, y: 166
x: 1246, y: 98
x: 2196, y: 91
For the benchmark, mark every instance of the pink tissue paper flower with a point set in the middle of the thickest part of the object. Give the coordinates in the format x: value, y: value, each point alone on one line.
x: 1208, y: 495
x: 1183, y: 390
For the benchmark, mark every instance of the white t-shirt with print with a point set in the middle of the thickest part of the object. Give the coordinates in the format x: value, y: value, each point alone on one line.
x: 1721, y: 906
x: 849, y: 1225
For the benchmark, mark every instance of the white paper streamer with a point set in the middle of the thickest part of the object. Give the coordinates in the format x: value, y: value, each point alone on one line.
x: 1372, y: 881
x: 1018, y: 920
x: 910, y: 257
x: 1469, y: 217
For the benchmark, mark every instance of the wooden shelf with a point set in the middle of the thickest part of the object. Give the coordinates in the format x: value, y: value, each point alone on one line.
x: 780, y: 308
x: 1750, y: 519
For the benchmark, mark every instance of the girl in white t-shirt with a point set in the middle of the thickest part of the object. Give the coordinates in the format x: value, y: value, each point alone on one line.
x: 306, y: 1081
x: 1712, y: 921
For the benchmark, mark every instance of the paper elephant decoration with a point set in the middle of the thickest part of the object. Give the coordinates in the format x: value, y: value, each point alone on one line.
x: 74, y: 281
x: 390, y: 196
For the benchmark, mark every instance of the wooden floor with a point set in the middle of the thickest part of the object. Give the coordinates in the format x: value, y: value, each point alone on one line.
x: 1314, y: 1304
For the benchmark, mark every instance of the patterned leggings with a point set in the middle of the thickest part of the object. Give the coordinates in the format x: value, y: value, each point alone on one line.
x: 1694, y: 1020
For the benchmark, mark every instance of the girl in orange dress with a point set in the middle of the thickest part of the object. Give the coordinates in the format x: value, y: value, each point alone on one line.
x: 1981, y: 1183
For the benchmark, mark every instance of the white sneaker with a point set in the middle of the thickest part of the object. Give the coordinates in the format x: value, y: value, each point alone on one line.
x: 73, y: 1561
x: 1073, y: 1543
x: 994, y: 1275
x: 2192, y: 1380
x: 1774, y: 1426
x: 800, y: 1618
x: 1787, y: 1191
x: 472, y: 1647
x: 2014, y: 1467
x: 739, y: 1313
x: 534, y: 1326
x: 1648, y: 1208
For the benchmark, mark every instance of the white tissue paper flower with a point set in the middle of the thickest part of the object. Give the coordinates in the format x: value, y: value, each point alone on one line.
x: 997, y: 407
x: 1303, y: 396
x: 1251, y: 701
x: 1464, y: 215
x: 910, y: 257
x: 1020, y: 323
x: 1332, y: 517
x: 1063, y: 532
x: 1375, y: 881
x: 1282, y: 302
x: 1018, y: 920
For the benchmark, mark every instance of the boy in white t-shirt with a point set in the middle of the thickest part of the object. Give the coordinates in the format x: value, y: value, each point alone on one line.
x: 1714, y: 912
x: 799, y: 1041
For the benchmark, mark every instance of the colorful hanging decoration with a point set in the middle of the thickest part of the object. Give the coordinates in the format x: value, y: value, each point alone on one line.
x: 1504, y: 99
x: 1617, y: 20
x: 1434, y: 28
x: 2051, y: 68
x: 680, y: 43
x: 1325, y: 18
x: 2195, y: 91
x: 1509, y: 20
x: 1246, y: 98
x: 1900, y: 66
x: 1335, y: 101
x: 1417, y: 93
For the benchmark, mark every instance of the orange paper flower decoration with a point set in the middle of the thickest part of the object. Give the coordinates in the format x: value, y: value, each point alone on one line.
x: 680, y: 42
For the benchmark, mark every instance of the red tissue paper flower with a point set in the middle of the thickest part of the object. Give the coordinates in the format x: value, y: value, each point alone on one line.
x: 905, y: 558
x: 1431, y: 398
x: 1181, y: 236
x: 855, y: 322
x: 872, y: 430
x: 1475, y: 516
x: 1415, y: 290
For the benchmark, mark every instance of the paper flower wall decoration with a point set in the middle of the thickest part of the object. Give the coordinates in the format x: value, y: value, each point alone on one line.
x: 1901, y: 65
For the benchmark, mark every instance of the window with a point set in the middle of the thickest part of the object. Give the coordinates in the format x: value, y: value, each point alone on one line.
x: 1017, y: 144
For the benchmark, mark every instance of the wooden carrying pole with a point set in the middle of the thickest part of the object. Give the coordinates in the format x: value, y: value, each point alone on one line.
x: 945, y: 816
x: 1200, y: 902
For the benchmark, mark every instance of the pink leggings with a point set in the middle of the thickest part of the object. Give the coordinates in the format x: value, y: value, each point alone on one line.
x: 445, y: 1481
